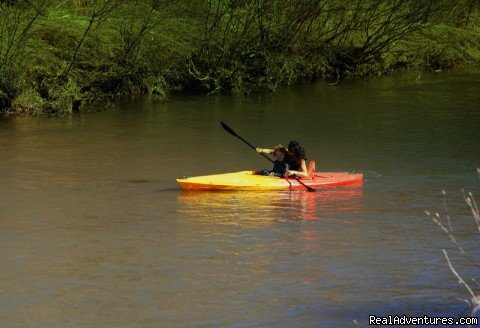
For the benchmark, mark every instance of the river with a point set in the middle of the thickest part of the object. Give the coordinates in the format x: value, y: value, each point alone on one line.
x: 94, y: 231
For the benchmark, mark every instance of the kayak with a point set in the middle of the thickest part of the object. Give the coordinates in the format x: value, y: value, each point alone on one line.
x: 247, y: 180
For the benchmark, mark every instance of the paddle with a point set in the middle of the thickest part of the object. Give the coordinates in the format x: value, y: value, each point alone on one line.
x: 229, y: 130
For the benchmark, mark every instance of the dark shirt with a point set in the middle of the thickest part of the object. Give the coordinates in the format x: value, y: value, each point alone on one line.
x: 280, y: 167
x: 292, y: 163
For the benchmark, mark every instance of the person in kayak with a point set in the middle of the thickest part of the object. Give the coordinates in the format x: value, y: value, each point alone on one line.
x: 296, y: 159
x: 280, y: 166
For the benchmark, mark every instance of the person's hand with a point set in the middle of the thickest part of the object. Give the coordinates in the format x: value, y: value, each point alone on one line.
x: 258, y: 150
x: 288, y: 173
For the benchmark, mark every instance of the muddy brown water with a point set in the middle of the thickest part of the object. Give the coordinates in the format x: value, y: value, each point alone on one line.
x: 94, y: 231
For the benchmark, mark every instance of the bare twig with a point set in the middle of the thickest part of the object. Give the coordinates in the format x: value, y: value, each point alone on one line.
x: 470, y: 200
x: 460, y: 280
x: 451, y: 236
x: 475, y: 300
x: 446, y: 211
x: 100, y: 10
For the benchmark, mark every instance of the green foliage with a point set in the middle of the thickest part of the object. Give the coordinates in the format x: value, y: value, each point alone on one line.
x: 260, y: 44
x: 15, y: 30
x: 57, y: 55
x: 28, y: 102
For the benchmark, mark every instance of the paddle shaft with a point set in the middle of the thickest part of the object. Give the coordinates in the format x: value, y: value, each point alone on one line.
x: 261, y: 153
x: 233, y: 133
x: 253, y: 147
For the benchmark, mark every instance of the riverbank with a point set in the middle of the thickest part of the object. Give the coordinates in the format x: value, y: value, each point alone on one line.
x: 58, y: 57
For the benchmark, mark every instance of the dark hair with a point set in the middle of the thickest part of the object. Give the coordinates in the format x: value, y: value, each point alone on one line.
x: 296, y: 149
x: 281, y: 149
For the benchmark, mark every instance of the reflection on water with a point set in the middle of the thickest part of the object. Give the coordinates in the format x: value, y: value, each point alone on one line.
x: 265, y: 206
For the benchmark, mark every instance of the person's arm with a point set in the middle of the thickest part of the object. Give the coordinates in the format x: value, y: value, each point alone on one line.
x: 303, y: 173
x: 264, y: 150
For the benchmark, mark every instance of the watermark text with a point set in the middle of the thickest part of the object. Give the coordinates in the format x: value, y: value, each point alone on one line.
x: 422, y: 321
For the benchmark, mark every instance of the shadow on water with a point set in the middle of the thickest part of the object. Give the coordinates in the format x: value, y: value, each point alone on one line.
x: 139, y: 181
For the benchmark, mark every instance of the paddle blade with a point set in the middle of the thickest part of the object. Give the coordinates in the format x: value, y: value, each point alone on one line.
x: 310, y: 189
x: 228, y: 129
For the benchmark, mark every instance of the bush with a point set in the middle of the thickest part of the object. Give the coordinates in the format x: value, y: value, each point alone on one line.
x: 75, y: 52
